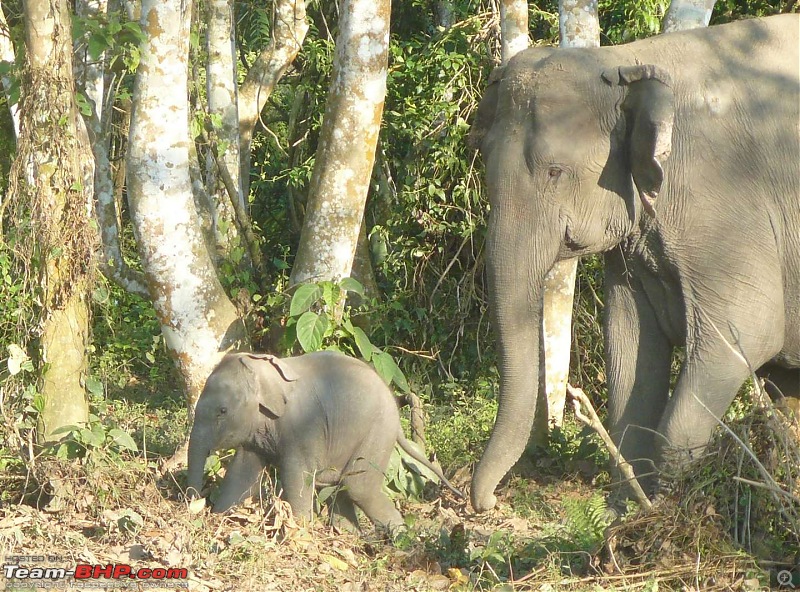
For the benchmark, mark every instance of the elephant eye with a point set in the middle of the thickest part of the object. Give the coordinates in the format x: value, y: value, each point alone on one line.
x: 223, y: 410
x: 554, y: 173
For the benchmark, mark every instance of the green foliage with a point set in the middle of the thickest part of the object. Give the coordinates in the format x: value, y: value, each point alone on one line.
x: 95, y: 436
x: 111, y: 33
x: 622, y: 22
x: 318, y: 319
x: 586, y: 521
x: 127, y: 339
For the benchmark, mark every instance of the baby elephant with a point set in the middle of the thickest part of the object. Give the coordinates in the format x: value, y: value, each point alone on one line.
x: 322, y: 419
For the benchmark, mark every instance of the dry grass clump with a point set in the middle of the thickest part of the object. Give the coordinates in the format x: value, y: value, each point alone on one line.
x: 728, y: 520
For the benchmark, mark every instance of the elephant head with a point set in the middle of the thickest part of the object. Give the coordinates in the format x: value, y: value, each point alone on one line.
x: 567, y: 141
x: 244, y: 393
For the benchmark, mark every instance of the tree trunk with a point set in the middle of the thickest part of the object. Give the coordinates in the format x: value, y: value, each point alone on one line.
x: 7, y: 55
x: 289, y: 29
x: 687, y: 14
x: 222, y: 98
x: 346, y: 152
x: 198, y: 321
x: 49, y: 179
x: 513, y: 28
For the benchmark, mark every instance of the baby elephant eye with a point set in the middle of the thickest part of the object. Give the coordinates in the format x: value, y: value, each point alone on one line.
x: 223, y: 410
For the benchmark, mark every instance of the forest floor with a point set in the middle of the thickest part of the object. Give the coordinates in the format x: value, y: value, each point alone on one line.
x: 548, y: 533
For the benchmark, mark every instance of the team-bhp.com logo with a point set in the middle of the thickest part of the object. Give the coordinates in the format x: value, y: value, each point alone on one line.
x: 86, y: 572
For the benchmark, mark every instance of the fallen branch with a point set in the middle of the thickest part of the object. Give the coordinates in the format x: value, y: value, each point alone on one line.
x: 578, y: 398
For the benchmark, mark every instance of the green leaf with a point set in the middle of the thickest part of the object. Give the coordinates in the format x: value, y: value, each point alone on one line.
x: 331, y: 294
x: 123, y: 439
x: 363, y: 343
x: 305, y: 296
x: 310, y: 329
x: 388, y: 369
x: 349, y: 284
x: 94, y: 386
x: 64, y: 430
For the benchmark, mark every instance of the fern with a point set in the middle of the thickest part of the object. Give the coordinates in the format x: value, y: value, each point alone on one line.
x: 586, y: 521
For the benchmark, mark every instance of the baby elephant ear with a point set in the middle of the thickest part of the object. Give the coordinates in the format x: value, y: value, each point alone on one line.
x: 269, y: 391
x: 279, y: 364
x: 649, y: 112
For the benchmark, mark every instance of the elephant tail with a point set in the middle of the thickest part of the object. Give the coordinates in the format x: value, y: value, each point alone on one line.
x: 412, y: 451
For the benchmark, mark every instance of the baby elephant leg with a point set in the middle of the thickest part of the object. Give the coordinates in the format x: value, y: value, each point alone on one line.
x: 298, y: 483
x: 241, y: 479
x: 366, y: 491
x: 343, y: 512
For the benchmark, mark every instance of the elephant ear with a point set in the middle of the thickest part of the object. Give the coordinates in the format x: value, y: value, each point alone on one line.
x: 486, y: 110
x: 271, y: 394
x: 649, y: 111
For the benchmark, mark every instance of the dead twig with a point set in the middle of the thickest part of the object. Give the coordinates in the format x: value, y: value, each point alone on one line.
x: 578, y: 398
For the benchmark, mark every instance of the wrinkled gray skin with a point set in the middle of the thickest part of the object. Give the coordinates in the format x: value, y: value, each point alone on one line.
x: 321, y: 419
x: 678, y: 157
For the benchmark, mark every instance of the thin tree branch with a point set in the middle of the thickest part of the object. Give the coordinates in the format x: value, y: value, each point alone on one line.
x: 578, y: 399
x: 242, y: 217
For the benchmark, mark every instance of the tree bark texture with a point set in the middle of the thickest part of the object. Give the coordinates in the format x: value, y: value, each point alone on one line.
x: 7, y: 55
x: 578, y: 23
x: 513, y: 28
x: 48, y: 183
x: 346, y: 151
x: 198, y: 321
x: 289, y: 29
x: 222, y: 95
x: 687, y: 14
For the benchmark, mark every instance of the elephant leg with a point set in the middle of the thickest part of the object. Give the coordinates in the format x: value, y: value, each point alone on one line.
x: 366, y: 490
x: 298, y: 483
x: 638, y: 358
x: 241, y: 479
x: 343, y: 512
x: 707, y: 385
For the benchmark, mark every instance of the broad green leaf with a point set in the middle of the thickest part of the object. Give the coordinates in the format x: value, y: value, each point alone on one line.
x: 305, y: 296
x: 64, y: 430
x: 94, y: 386
x: 388, y: 369
x: 363, y: 343
x: 331, y: 293
x: 352, y: 285
x: 383, y: 365
x: 310, y: 329
x: 326, y: 492
x: 123, y: 439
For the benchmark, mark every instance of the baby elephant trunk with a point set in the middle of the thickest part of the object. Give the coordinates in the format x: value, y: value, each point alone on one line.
x: 198, y: 453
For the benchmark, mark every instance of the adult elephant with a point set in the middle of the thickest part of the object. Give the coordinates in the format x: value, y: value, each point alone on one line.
x: 679, y: 157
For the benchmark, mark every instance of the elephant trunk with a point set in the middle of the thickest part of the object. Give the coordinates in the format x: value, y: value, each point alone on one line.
x: 516, y: 273
x: 198, y: 453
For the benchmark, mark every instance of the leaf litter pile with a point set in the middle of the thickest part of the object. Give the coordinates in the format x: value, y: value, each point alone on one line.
x: 729, y: 523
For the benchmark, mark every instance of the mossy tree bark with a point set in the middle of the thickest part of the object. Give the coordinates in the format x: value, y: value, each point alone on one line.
x: 50, y: 186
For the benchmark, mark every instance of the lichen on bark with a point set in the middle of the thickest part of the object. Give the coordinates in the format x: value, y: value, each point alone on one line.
x: 346, y: 150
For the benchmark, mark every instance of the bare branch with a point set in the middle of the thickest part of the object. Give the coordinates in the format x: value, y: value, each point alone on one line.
x: 578, y: 399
